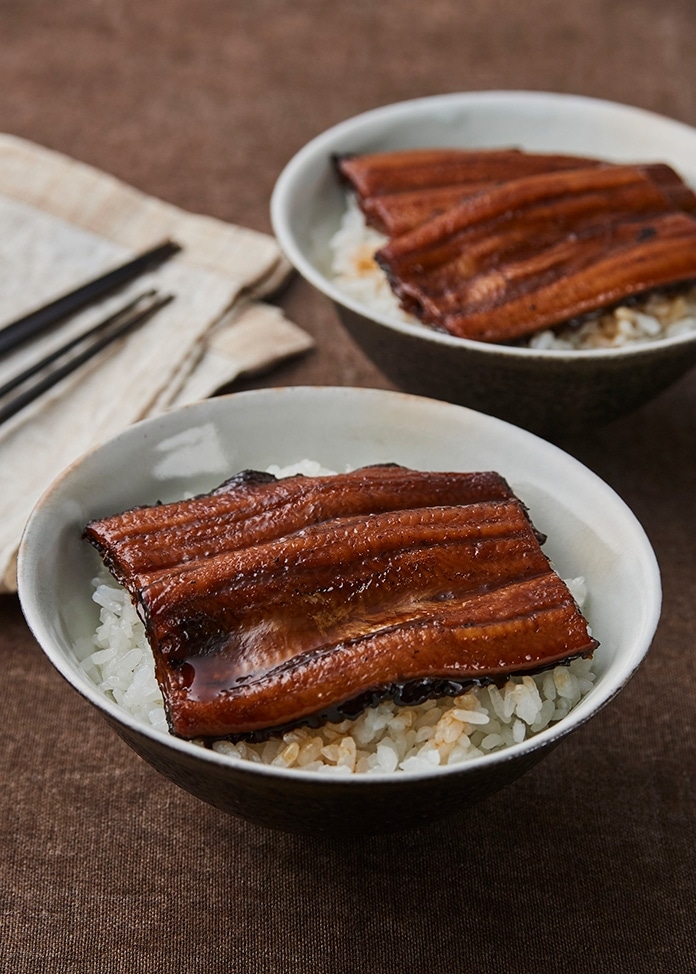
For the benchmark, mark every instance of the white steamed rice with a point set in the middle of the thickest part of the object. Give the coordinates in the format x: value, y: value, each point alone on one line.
x: 357, y: 273
x: 386, y: 738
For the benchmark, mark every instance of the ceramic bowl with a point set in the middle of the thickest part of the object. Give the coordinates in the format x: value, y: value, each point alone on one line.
x: 590, y: 533
x: 552, y: 391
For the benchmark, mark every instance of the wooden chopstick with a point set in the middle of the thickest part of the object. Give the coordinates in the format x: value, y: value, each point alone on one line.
x: 32, y: 324
x: 95, y: 339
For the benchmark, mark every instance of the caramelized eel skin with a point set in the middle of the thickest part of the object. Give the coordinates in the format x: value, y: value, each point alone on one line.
x: 267, y: 627
x: 397, y: 213
x: 399, y: 190
x: 253, y: 507
x: 534, y: 252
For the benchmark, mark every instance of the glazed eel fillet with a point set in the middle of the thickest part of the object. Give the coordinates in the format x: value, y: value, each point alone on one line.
x: 534, y: 252
x: 398, y: 190
x: 269, y: 603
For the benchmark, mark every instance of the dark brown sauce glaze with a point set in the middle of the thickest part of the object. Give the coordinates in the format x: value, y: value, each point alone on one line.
x: 399, y: 190
x: 273, y: 629
x: 253, y: 507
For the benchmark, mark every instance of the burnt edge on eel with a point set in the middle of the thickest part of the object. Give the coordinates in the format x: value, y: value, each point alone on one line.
x: 273, y: 603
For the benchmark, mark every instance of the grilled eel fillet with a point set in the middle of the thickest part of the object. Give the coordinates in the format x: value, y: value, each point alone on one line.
x: 533, y: 252
x: 399, y: 190
x: 271, y: 603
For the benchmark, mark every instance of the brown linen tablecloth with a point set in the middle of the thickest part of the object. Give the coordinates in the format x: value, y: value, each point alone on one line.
x: 584, y: 865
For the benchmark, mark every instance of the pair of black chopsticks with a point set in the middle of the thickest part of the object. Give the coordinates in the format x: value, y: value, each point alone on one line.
x: 43, y: 374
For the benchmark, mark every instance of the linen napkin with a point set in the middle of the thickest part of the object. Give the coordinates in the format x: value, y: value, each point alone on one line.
x: 63, y: 223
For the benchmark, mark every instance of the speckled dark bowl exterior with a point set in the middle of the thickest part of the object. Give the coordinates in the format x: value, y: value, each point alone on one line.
x: 317, y: 806
x: 548, y: 391
x: 549, y: 396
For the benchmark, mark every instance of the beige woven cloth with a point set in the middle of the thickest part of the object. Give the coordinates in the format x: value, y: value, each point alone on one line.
x: 64, y: 223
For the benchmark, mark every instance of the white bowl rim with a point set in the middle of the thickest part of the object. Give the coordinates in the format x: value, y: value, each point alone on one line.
x: 321, y: 146
x: 596, y: 700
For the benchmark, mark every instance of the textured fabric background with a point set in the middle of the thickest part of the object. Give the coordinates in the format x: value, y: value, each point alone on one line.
x: 584, y: 865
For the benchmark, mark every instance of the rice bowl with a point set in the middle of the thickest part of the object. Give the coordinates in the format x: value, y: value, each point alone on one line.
x: 591, y: 534
x: 548, y: 389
